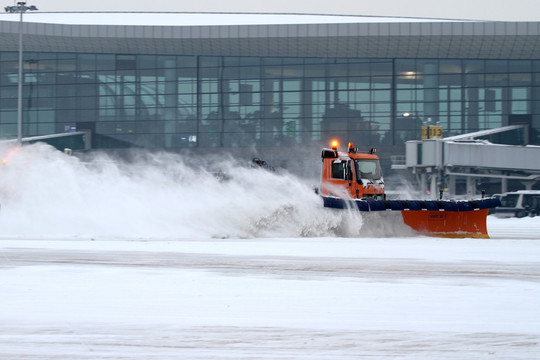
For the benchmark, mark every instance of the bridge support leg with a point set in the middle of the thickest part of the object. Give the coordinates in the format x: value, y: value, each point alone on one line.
x: 433, y: 187
x: 471, y: 186
x: 528, y: 184
x: 504, y: 185
x: 452, y: 185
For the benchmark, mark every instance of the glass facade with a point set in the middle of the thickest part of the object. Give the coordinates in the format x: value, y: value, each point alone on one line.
x: 156, y: 101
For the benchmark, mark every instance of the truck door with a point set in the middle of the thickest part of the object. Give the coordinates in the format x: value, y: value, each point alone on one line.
x: 341, y: 178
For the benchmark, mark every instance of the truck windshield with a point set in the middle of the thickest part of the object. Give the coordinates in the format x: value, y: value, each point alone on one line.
x: 367, y: 169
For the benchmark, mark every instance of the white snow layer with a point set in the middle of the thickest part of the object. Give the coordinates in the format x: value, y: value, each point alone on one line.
x: 159, y: 260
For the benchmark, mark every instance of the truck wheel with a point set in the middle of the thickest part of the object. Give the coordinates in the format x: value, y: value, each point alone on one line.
x: 521, y: 214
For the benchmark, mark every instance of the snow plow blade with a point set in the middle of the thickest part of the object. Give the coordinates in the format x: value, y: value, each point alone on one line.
x: 444, y: 218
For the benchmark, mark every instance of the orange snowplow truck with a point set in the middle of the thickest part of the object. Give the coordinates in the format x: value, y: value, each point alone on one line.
x: 354, y: 180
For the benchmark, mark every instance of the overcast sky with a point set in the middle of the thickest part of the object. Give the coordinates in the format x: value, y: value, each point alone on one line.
x: 515, y: 10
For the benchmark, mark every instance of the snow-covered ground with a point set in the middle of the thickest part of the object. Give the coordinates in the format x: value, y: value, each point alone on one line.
x: 103, y: 261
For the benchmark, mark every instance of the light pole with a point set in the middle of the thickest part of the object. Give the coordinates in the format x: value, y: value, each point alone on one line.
x: 20, y: 8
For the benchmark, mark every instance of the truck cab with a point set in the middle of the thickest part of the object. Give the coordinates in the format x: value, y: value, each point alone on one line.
x: 351, y: 174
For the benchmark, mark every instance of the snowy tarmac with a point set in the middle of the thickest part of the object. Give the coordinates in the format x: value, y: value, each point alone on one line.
x: 273, y: 298
x: 127, y: 273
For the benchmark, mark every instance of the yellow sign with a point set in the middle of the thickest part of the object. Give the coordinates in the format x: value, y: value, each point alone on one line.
x: 429, y: 132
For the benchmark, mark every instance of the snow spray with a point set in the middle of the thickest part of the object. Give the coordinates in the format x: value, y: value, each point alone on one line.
x: 45, y: 193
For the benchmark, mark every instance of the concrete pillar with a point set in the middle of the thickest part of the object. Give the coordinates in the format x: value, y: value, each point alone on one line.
x: 169, y: 116
x: 306, y: 117
x: 423, y: 183
x: 528, y: 184
x: 433, y: 191
x: 452, y: 186
x: 431, y: 93
x: 504, y: 185
x: 473, y: 120
x: 471, y: 186
x: 270, y: 108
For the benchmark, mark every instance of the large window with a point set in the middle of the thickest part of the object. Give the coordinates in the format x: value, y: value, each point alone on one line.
x: 212, y: 101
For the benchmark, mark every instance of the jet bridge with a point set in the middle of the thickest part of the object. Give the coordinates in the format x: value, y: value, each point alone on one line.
x: 76, y: 140
x: 437, y: 163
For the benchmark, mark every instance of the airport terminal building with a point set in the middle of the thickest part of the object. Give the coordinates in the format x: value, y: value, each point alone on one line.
x: 270, y: 87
